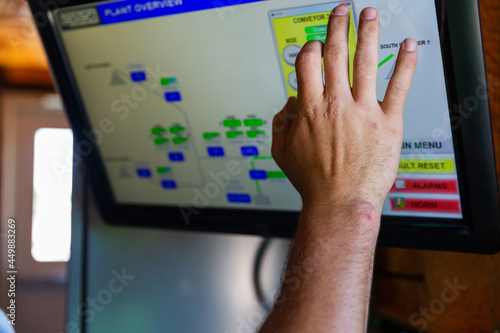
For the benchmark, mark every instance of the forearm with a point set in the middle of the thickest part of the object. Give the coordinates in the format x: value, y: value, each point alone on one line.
x: 326, y: 287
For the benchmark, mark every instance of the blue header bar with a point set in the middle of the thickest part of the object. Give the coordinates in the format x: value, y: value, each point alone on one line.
x: 131, y: 10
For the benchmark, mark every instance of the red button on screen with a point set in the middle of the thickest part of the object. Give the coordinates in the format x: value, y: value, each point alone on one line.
x: 425, y: 205
x: 435, y: 186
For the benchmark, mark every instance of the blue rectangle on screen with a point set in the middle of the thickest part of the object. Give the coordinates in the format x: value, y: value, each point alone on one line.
x: 138, y: 76
x: 123, y: 11
x: 144, y: 173
x: 239, y: 198
x: 258, y: 174
x: 173, y: 96
x: 215, y: 151
x: 249, y: 151
x: 176, y: 157
x: 169, y: 184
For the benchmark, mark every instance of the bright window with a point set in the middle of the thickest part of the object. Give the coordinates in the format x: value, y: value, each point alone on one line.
x: 52, y: 180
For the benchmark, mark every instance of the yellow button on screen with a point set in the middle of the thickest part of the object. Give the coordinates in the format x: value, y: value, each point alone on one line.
x: 442, y: 165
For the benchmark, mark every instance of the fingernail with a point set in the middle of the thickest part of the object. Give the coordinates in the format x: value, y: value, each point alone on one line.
x: 340, y: 10
x: 410, y: 45
x: 369, y: 13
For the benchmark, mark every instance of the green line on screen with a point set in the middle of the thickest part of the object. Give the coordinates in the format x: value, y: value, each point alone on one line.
x: 386, y: 60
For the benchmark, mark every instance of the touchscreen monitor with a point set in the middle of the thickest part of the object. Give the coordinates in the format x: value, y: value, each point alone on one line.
x: 173, y: 102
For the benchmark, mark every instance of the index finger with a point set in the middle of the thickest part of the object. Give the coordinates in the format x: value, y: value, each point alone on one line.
x: 309, y: 73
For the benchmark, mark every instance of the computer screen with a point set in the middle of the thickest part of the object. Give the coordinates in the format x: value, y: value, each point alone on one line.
x: 186, y: 91
x: 178, y: 97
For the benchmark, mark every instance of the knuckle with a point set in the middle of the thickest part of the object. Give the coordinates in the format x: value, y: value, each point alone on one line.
x: 337, y: 22
x: 364, y: 67
x: 281, y: 120
x: 369, y: 29
x: 364, y: 107
x: 306, y: 56
x: 398, y: 90
x: 335, y: 53
x: 332, y: 78
x: 392, y: 106
x: 335, y: 105
x: 308, y: 112
x: 278, y: 128
x: 289, y: 118
x: 366, y: 42
x: 407, y: 65
x: 277, y: 118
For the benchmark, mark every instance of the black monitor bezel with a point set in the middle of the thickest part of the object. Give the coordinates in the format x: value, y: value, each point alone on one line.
x: 481, y: 231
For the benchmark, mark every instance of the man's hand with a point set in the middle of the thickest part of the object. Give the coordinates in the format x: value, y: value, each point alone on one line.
x: 340, y: 146
x: 340, y: 149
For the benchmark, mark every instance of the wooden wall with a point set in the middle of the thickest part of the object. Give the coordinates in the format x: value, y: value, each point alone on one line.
x: 413, y: 280
x: 22, y: 58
